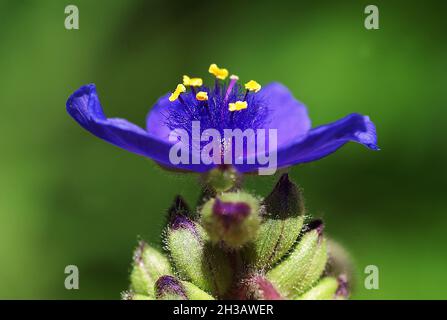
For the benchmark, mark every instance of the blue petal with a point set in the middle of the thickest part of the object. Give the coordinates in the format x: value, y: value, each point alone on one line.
x: 84, y: 106
x: 156, y: 118
x: 286, y: 114
x: 326, y: 139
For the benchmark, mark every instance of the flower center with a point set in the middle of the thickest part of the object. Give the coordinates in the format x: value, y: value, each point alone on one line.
x: 226, y: 105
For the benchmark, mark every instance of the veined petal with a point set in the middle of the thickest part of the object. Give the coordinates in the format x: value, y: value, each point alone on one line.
x: 286, y: 114
x: 84, y: 106
x: 157, y: 115
x: 324, y: 140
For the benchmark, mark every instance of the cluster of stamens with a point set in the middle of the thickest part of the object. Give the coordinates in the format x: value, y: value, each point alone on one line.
x: 221, y: 74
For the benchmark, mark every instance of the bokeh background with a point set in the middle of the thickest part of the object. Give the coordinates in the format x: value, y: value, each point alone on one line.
x: 67, y: 197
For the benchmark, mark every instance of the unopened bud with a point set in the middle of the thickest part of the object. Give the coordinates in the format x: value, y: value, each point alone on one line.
x: 148, y: 265
x: 282, y: 223
x: 232, y: 218
x: 302, y: 269
x: 208, y: 268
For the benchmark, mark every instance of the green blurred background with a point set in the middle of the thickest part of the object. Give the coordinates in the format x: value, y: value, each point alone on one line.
x: 67, y: 197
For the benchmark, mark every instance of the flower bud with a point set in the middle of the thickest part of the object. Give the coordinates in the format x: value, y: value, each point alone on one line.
x: 195, y: 259
x: 222, y: 178
x: 148, y: 265
x: 232, y: 218
x: 257, y: 288
x: 282, y: 223
x: 299, y: 271
x: 171, y: 288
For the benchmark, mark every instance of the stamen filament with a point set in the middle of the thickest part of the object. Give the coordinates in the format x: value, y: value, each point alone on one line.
x: 233, y: 80
x: 182, y: 101
x: 246, y: 95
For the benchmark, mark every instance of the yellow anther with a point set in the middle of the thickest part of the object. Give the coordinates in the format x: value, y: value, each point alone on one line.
x: 252, y: 86
x: 178, y: 90
x: 193, y: 82
x: 202, y: 96
x: 218, y: 72
x: 238, y: 105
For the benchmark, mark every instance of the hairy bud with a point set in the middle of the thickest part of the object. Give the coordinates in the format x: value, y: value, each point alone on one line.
x: 304, y: 266
x: 282, y: 223
x: 232, y: 218
x: 195, y: 258
x: 148, y: 265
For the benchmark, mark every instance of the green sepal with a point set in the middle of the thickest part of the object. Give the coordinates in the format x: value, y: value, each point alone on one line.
x: 148, y: 265
x: 197, y: 260
x: 282, y: 223
x: 304, y: 266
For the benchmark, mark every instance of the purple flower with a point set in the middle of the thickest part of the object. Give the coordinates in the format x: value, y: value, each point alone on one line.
x: 224, y: 105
